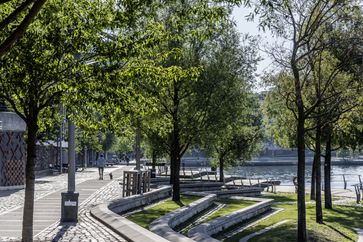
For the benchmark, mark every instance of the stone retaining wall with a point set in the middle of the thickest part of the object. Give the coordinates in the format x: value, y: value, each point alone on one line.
x: 204, y: 231
x: 165, y: 224
x: 108, y: 214
x: 245, y: 191
x: 201, y: 186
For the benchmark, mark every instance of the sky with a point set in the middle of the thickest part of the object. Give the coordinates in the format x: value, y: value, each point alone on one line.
x: 245, y: 27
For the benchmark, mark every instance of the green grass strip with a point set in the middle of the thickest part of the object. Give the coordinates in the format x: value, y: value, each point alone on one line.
x: 232, y: 205
x: 145, y: 217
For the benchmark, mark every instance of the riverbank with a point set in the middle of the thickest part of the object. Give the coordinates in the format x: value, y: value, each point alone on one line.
x: 293, y: 162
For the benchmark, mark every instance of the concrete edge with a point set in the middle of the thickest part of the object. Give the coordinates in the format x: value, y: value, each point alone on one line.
x: 203, y: 232
x: 8, y: 188
x: 122, y: 226
x: 165, y: 224
x: 106, y: 213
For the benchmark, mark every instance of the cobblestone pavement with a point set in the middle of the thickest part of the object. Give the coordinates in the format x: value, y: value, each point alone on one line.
x: 45, y: 185
x: 87, y: 228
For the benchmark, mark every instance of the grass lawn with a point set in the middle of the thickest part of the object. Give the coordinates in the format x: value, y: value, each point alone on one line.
x: 337, y: 225
x: 231, y: 206
x: 145, y: 217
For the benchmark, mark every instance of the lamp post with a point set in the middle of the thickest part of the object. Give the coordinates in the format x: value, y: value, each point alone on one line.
x: 61, y: 128
x: 70, y: 198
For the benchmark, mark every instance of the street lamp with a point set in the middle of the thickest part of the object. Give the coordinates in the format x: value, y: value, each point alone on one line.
x: 70, y: 198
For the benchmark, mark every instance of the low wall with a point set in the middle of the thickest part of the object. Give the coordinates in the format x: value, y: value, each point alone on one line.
x: 125, y: 204
x: 201, y: 186
x: 245, y: 191
x: 108, y: 214
x: 204, y: 231
x: 165, y: 224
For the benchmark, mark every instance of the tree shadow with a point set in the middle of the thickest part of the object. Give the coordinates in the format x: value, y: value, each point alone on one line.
x: 336, y: 230
x: 6, y: 193
x: 180, y: 203
x: 282, y: 197
x: 348, y: 217
x: 64, y: 228
x: 41, y: 182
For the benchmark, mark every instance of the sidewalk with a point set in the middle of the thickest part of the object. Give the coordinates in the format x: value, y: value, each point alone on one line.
x: 47, y: 209
x: 45, y: 185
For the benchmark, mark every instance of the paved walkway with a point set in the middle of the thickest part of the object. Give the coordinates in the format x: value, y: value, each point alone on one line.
x: 45, y: 185
x: 47, y: 212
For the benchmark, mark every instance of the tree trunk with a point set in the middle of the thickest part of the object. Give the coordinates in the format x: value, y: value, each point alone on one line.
x: 327, y: 174
x: 221, y: 169
x: 27, y: 232
x: 313, y: 180
x: 138, y: 144
x: 175, y: 145
x: 153, y: 160
x: 172, y: 166
x: 318, y: 207
x: 301, y: 208
x: 176, y: 182
x: 175, y: 166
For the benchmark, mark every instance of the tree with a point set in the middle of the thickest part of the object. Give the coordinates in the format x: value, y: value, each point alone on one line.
x: 304, y: 26
x: 163, y: 82
x: 12, y: 34
x: 108, y: 141
x: 46, y: 66
x: 233, y: 133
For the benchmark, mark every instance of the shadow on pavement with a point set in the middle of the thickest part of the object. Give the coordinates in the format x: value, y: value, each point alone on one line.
x: 63, y: 230
x: 6, y: 193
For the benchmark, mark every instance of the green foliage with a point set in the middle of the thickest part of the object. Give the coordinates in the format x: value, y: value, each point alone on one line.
x: 108, y: 141
x: 278, y: 120
x: 349, y: 129
x: 234, y: 131
x: 124, y: 144
x: 45, y: 66
x: 88, y: 139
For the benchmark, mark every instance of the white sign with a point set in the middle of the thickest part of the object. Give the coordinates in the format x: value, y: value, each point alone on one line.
x: 70, y: 203
x: 1, y: 125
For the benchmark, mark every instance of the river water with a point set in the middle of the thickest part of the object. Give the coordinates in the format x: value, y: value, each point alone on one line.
x: 285, y: 174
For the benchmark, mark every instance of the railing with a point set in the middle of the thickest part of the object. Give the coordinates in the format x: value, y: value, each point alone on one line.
x: 358, y: 188
x: 346, y: 178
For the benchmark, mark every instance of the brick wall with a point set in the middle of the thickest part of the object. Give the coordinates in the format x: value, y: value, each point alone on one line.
x: 12, y: 158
